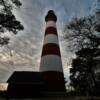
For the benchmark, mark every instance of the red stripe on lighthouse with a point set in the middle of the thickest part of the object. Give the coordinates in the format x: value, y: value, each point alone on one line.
x: 51, y: 30
x: 51, y: 49
x: 50, y: 18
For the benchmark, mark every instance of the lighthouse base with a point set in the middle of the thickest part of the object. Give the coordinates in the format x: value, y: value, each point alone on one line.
x: 35, y: 84
x: 54, y: 81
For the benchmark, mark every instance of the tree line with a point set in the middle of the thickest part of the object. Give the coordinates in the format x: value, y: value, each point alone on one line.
x: 83, y: 37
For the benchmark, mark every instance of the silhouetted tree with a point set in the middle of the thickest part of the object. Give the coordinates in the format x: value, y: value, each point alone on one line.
x: 84, y: 77
x: 80, y: 33
x: 85, y: 41
x: 2, y: 94
x: 8, y: 21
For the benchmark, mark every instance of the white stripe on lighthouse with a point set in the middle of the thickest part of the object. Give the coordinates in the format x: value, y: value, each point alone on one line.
x: 51, y: 63
x: 51, y: 38
x: 50, y: 24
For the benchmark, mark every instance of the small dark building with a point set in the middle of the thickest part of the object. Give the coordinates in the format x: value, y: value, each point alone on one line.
x: 24, y: 84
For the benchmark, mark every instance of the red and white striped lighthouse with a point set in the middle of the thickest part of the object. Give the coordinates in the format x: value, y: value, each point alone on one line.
x: 51, y: 63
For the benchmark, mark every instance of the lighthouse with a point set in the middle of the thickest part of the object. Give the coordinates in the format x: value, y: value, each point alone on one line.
x: 51, y: 63
x: 49, y: 81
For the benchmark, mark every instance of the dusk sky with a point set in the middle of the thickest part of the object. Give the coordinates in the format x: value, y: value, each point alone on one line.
x: 24, y: 50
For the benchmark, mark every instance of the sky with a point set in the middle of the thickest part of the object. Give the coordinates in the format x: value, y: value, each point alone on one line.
x: 24, y: 50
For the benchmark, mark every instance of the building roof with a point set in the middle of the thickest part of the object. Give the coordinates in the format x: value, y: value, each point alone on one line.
x: 26, y: 77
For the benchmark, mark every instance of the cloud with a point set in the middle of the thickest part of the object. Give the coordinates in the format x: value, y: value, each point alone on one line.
x: 24, y: 50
